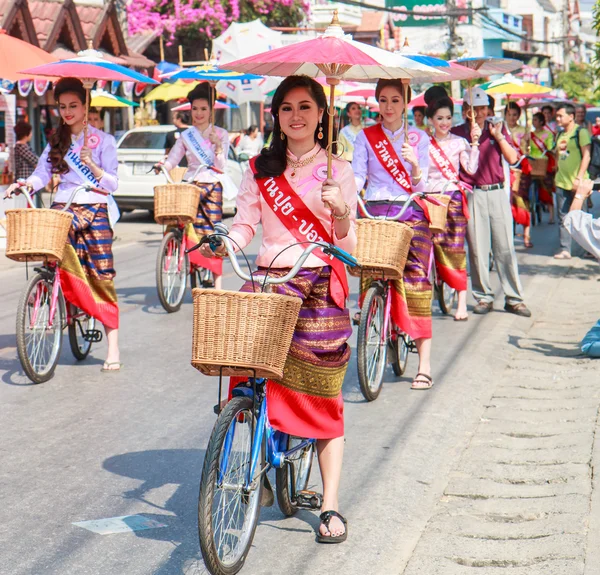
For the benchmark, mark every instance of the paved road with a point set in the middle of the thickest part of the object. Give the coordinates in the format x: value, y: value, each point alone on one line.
x: 88, y: 446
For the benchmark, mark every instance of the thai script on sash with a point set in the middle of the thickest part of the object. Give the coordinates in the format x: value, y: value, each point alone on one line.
x: 197, y: 147
x: 283, y: 202
x: 442, y: 162
x: 77, y: 165
x: 393, y: 165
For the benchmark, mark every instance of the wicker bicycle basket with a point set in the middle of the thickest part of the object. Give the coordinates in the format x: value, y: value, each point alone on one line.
x: 176, y: 203
x: 438, y: 214
x: 382, y: 248
x: 245, y: 333
x: 539, y: 167
x: 36, y: 234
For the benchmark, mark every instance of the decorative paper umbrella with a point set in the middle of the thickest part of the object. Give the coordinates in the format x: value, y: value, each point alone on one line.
x: 488, y: 66
x: 244, y: 39
x: 512, y: 86
x: 420, y: 101
x: 102, y: 99
x: 207, y: 72
x: 15, y: 55
x: 89, y: 66
x: 335, y: 56
x: 167, y: 91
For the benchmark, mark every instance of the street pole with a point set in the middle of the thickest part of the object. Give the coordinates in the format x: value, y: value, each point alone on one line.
x: 452, y: 43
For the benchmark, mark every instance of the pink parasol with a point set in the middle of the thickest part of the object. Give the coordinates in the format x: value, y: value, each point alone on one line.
x: 337, y: 57
x: 420, y: 101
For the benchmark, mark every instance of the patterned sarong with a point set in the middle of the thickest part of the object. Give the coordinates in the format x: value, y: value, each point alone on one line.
x: 308, y: 401
x: 86, y: 271
x: 449, y: 247
x: 519, y: 200
x: 411, y: 295
x: 210, y: 212
x: 545, y: 188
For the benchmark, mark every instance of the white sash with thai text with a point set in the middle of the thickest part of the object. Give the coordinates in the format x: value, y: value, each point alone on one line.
x: 197, y: 147
x: 205, y: 155
x: 87, y: 177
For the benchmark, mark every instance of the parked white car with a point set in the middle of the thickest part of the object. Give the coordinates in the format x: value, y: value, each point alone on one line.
x: 138, y: 150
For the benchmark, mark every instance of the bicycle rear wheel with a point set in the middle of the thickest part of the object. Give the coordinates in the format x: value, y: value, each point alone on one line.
x: 171, y: 272
x: 371, y: 346
x: 227, y: 511
x: 294, y: 475
x: 38, y: 342
x: 81, y: 323
x: 446, y: 297
x: 400, y: 352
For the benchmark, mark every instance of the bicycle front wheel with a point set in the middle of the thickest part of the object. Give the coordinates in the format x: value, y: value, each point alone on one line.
x: 294, y: 475
x: 79, y: 327
x: 171, y: 272
x: 228, y: 511
x: 39, y: 336
x: 372, y: 345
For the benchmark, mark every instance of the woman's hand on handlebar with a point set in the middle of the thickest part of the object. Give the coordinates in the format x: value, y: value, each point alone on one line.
x: 207, y: 251
x: 12, y: 189
x: 331, y: 196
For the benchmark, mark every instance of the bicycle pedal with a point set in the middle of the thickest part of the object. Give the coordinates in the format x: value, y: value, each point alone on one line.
x: 309, y: 500
x: 93, y: 335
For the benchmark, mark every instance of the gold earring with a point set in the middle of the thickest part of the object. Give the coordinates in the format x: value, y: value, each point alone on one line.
x: 320, y: 134
x: 282, y: 135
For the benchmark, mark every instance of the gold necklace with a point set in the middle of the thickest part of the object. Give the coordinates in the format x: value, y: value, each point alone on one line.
x: 294, y: 164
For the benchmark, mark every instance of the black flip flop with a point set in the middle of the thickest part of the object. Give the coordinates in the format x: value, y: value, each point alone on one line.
x: 325, y: 518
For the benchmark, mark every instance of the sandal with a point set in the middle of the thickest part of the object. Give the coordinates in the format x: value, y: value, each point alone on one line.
x: 528, y: 244
x: 325, y: 518
x: 107, y: 366
x: 428, y: 381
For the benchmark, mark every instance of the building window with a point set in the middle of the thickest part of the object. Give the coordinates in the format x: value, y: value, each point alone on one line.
x: 528, y: 32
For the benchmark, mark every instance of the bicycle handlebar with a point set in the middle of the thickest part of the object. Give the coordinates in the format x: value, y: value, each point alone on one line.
x: 23, y: 189
x: 221, y: 236
x: 405, y: 205
x: 162, y: 168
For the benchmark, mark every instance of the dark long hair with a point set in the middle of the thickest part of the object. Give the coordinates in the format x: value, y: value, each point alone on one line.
x: 513, y: 106
x: 60, y: 141
x: 272, y: 161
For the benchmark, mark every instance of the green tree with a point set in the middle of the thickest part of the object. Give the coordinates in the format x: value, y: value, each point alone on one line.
x: 579, y: 82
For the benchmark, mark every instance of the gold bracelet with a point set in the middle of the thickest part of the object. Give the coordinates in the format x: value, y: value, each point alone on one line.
x: 418, y: 177
x: 344, y: 215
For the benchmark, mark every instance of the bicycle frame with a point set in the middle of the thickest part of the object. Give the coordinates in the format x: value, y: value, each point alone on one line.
x: 276, y: 454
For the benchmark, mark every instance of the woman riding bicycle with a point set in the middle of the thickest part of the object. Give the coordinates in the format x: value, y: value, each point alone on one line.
x: 395, y: 167
x: 448, y: 153
x: 292, y: 171
x: 83, y: 156
x: 204, y: 144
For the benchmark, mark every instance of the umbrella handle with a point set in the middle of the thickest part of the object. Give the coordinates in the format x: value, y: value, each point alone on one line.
x: 85, y: 120
x: 331, y: 113
x: 475, y: 141
x: 405, y: 86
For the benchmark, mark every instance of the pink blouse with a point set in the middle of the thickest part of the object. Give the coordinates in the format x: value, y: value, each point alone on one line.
x: 307, y: 181
x: 206, y: 175
x: 460, y: 153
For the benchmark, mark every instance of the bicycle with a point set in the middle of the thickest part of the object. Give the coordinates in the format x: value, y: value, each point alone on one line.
x: 172, y: 263
x: 377, y: 333
x: 43, y: 314
x: 243, y: 447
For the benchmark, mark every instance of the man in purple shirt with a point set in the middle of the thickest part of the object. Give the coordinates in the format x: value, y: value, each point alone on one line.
x: 490, y: 227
